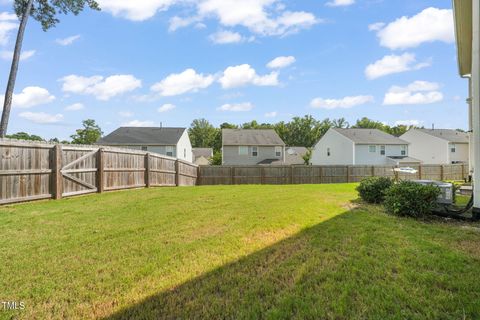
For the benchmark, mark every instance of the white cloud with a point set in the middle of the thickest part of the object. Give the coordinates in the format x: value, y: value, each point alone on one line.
x: 418, y: 92
x: 340, y: 3
x: 237, y: 107
x: 8, y: 23
x: 100, y: 87
x: 376, y: 26
x: 136, y: 10
x: 138, y: 123
x: 8, y: 55
x: 244, y: 74
x: 41, y: 117
x: 30, y: 97
x: 409, y: 123
x: 180, y: 83
x: 125, y: 114
x: 393, y: 64
x: 68, y: 41
x: 281, y: 62
x: 344, y: 103
x: 166, y: 107
x: 272, y: 114
x: 432, y: 24
x: 75, y: 107
x: 226, y: 37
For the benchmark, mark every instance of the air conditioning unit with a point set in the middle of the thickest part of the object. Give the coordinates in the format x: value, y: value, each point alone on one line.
x: 446, y: 194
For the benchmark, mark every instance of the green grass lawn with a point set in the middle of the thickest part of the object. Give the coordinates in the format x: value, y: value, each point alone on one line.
x: 271, y: 252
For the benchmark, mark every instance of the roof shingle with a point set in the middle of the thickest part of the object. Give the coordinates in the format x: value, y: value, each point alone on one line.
x: 370, y: 136
x: 143, y: 136
x: 251, y: 137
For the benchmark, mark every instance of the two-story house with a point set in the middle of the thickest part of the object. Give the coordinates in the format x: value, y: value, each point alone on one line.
x: 251, y: 147
x: 438, y: 146
x: 361, y: 147
x: 172, y: 142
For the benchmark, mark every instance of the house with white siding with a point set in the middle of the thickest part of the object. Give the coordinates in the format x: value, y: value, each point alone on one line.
x: 252, y: 147
x: 438, y: 146
x: 172, y: 142
x: 361, y: 147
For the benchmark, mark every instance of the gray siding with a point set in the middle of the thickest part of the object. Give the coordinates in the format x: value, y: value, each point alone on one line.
x: 231, y: 156
x: 155, y: 149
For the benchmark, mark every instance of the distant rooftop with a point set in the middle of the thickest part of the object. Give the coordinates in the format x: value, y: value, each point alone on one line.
x: 143, y: 136
x: 447, y: 134
x: 370, y: 136
x: 202, y: 152
x: 251, y: 137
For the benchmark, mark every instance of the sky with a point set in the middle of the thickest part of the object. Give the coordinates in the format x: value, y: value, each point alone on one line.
x: 152, y: 62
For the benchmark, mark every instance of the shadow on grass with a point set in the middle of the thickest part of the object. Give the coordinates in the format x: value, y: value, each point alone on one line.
x: 356, y: 265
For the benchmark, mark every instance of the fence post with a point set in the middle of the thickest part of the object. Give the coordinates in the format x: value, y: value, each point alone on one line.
x: 463, y: 171
x: 441, y: 173
x: 147, y: 170
x: 262, y: 175
x: 177, y: 173
x: 291, y: 174
x: 100, y: 170
x: 320, y: 172
x: 57, y: 172
x: 232, y: 175
x: 348, y: 174
x: 373, y: 171
x: 420, y: 171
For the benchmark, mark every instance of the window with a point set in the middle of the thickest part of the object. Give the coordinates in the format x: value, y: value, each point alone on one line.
x: 328, y: 152
x: 278, y: 151
x: 372, y: 149
x: 184, y: 153
x: 169, y: 151
x: 144, y: 148
x: 243, y: 150
x: 254, y: 151
x: 403, y: 151
x: 382, y: 150
x: 453, y: 148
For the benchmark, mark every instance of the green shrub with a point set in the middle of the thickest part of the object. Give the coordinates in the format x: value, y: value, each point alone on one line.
x: 372, y: 190
x: 411, y: 199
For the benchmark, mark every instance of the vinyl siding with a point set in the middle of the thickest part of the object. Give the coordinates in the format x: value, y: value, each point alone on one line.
x: 427, y: 148
x: 341, y: 150
x: 231, y: 156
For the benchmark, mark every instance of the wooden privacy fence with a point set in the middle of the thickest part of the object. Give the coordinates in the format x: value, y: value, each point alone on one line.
x: 32, y: 171
x: 227, y: 175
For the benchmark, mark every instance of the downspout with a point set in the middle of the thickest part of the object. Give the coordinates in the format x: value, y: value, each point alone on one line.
x: 470, y: 128
x: 476, y: 104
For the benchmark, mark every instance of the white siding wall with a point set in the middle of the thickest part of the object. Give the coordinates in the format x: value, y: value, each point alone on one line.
x: 341, y: 150
x: 231, y: 155
x: 184, y: 148
x: 363, y: 156
x: 460, y: 154
x: 427, y: 148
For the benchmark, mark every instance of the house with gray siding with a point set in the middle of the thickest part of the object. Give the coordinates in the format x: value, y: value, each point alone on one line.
x: 251, y: 147
x: 361, y: 147
x: 172, y: 142
x: 202, y: 156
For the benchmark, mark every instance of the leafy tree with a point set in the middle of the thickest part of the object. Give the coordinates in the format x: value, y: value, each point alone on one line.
x: 45, y: 12
x: 202, y: 133
x: 255, y: 125
x: 25, y: 136
x: 398, y: 130
x: 340, y: 123
x: 227, y: 125
x: 90, y: 133
x: 366, y: 123
x: 307, y: 156
x: 216, y: 160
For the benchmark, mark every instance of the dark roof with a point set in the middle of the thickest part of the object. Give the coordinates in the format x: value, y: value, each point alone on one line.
x: 143, y: 136
x: 251, y: 137
x: 202, y: 152
x: 271, y: 162
x: 369, y: 136
x: 447, y: 134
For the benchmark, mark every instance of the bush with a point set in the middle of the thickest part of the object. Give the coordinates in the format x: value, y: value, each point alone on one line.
x: 411, y: 199
x: 372, y: 190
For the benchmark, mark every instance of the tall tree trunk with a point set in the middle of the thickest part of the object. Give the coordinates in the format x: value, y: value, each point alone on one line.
x: 7, y: 104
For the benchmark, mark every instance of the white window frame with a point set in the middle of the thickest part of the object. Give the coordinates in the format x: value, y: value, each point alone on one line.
x: 169, y: 151
x: 372, y: 149
x: 453, y: 148
x: 383, y: 150
x: 144, y: 148
x: 278, y: 151
x: 242, y: 150
x: 403, y: 150
x: 254, y: 151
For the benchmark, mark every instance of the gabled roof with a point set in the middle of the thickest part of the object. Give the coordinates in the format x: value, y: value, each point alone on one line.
x: 154, y: 136
x: 251, y: 137
x: 453, y: 136
x: 202, y: 152
x: 370, y: 136
x: 293, y: 155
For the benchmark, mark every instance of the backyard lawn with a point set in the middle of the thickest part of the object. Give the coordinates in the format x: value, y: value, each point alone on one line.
x: 236, y: 252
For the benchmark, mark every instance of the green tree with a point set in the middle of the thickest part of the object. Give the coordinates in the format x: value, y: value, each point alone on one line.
x: 202, y: 134
x: 90, y: 133
x: 307, y: 156
x: 255, y: 125
x: 45, y: 12
x: 366, y: 123
x: 216, y: 160
x: 25, y: 136
x: 340, y: 123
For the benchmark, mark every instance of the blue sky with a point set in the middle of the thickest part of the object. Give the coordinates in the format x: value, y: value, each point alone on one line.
x: 149, y: 61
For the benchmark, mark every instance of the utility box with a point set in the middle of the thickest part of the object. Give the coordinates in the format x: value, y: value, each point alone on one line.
x: 446, y: 194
